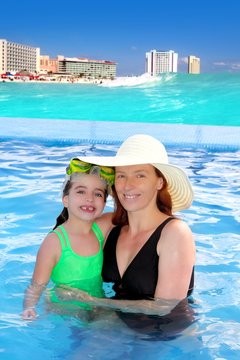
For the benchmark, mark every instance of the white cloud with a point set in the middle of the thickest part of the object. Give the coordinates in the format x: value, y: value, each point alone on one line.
x: 229, y: 65
x: 235, y: 66
x: 220, y: 63
x: 183, y: 60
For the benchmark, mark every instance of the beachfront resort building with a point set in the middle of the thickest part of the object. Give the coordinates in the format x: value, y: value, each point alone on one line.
x: 193, y: 65
x: 48, y: 65
x: 158, y: 62
x: 17, y: 57
x: 87, y: 67
x: 79, y: 67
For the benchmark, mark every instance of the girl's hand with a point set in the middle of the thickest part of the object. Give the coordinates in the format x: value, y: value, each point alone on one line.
x: 29, y: 314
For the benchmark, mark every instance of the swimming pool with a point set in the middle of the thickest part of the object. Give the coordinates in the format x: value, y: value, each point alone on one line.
x: 32, y: 166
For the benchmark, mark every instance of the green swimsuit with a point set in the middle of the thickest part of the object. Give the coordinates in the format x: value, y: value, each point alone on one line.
x: 82, y: 272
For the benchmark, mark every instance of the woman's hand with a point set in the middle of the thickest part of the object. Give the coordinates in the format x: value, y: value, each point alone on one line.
x: 67, y: 293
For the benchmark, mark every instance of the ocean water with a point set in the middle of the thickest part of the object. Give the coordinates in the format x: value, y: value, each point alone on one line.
x: 204, y: 99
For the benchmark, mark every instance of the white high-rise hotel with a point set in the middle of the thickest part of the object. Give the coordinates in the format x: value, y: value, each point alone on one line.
x: 158, y: 62
x: 16, y: 57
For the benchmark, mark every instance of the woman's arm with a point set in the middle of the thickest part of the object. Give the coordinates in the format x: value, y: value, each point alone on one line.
x: 46, y: 259
x: 105, y: 224
x: 176, y: 250
x: 155, y: 306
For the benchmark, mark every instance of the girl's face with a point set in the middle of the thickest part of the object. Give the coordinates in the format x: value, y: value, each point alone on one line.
x: 86, y: 198
x: 137, y: 186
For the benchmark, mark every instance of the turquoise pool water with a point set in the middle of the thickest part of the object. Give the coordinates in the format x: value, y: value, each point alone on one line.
x: 205, y: 99
x: 33, y: 156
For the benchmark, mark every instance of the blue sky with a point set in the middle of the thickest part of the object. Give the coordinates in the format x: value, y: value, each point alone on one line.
x: 124, y: 30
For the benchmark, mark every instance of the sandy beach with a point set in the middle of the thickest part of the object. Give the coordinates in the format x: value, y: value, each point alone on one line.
x: 54, y: 80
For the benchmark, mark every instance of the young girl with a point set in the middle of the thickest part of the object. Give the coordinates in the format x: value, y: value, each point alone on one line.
x: 72, y: 254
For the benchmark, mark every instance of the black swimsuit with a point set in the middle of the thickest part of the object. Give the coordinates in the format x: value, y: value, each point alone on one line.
x: 140, y: 278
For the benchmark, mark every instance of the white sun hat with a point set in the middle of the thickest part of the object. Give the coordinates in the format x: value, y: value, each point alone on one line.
x: 145, y: 149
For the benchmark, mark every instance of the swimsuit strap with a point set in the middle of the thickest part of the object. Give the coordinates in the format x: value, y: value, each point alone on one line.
x: 157, y: 233
x: 60, y: 237
x: 98, y: 232
x: 66, y: 238
x: 63, y: 237
x: 166, y: 221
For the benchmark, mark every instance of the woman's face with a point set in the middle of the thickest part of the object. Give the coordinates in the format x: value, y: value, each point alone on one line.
x: 137, y: 186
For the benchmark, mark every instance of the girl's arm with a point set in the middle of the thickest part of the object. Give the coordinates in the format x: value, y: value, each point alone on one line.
x: 47, y: 257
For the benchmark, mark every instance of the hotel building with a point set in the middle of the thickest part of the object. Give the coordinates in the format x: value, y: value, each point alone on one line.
x: 78, y: 67
x: 158, y: 62
x: 16, y: 57
x: 193, y: 65
x: 87, y: 67
x: 48, y: 65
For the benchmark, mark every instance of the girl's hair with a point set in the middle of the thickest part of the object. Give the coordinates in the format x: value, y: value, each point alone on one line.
x: 163, y: 202
x: 64, y: 214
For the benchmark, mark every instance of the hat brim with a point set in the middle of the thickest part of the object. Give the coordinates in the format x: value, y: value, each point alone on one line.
x: 179, y: 186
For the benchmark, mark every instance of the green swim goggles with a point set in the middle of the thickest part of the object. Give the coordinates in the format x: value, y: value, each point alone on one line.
x: 79, y: 166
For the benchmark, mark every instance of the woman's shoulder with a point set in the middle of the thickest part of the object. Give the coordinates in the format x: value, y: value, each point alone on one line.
x: 176, y: 236
x: 177, y: 229
x: 178, y: 223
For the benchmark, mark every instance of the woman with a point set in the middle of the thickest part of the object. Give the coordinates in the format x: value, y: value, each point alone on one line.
x: 149, y: 254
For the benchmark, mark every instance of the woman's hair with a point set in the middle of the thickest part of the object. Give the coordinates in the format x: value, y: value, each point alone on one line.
x: 63, y: 216
x: 163, y: 202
